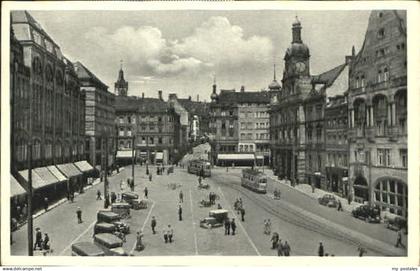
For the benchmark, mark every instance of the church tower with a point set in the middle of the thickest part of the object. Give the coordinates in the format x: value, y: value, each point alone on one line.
x: 121, y: 86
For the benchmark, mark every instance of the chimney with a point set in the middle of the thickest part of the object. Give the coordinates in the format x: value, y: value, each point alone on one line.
x: 142, y: 95
x: 198, y: 98
x: 160, y: 95
x: 189, y: 98
x: 242, y: 88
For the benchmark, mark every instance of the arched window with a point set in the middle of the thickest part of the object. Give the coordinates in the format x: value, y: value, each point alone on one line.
x: 48, y: 149
x: 361, y: 189
x: 21, y: 150
x: 401, y: 110
x: 386, y: 74
x: 57, y: 150
x: 391, y: 193
x: 380, y: 114
x: 359, y: 113
x: 36, y: 149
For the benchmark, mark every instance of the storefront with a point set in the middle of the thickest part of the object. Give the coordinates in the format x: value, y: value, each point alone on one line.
x: 125, y: 157
x: 88, y: 171
x: 235, y: 159
x: 18, y: 199
x: 74, y: 176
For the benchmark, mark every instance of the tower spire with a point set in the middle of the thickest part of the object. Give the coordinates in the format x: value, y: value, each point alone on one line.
x: 121, y: 64
x: 274, y: 71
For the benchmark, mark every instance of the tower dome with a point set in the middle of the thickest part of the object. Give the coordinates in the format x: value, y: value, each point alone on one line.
x: 297, y: 48
x: 274, y: 85
x: 214, y: 95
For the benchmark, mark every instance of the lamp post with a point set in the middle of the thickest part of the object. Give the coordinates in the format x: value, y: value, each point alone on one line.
x: 30, y: 221
x: 133, y: 158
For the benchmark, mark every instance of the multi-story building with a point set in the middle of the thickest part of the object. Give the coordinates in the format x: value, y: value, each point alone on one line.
x: 100, y: 115
x: 377, y: 104
x: 336, y: 145
x: 151, y: 124
x: 240, y: 124
x: 199, y: 119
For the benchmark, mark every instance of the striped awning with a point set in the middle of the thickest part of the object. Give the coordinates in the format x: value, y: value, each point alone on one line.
x: 83, y: 166
x: 159, y: 155
x: 236, y: 156
x: 46, y: 175
x: 37, y: 181
x: 15, y: 188
x: 69, y: 170
x: 124, y: 154
x: 57, y: 173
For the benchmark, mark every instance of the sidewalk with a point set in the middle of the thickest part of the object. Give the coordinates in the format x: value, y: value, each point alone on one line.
x: 306, y: 189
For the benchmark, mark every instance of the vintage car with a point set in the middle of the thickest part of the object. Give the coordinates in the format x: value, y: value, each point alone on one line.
x: 137, y: 204
x: 113, y: 218
x: 215, y: 219
x: 129, y: 197
x: 122, y: 227
x: 111, y: 245
x: 328, y: 200
x: 396, y: 223
x: 367, y: 213
x: 121, y: 208
x: 86, y: 249
x: 103, y: 227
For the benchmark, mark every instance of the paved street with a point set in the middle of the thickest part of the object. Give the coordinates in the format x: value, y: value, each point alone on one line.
x: 297, y: 218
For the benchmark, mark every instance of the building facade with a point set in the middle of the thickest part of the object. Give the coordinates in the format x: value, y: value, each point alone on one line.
x: 99, y: 114
x: 377, y: 104
x: 57, y: 104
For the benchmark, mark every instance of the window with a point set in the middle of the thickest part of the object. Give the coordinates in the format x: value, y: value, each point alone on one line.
x: 121, y: 120
x: 151, y: 140
x: 143, y: 140
x: 129, y: 132
x: 160, y: 140
x: 319, y: 162
x: 386, y: 74
x: 381, y: 33
x: 48, y: 150
x: 310, y: 162
x: 160, y: 119
x: 121, y: 133
x: 384, y: 157
x: 403, y: 157
x: 129, y: 119
x: 121, y: 143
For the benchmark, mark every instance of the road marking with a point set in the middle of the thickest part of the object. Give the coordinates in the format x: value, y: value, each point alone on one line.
x: 240, y: 224
x: 144, y: 224
x: 78, y: 237
x: 193, y: 223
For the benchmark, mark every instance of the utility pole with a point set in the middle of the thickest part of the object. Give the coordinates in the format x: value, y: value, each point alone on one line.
x: 106, y: 174
x: 30, y: 221
x: 133, y: 158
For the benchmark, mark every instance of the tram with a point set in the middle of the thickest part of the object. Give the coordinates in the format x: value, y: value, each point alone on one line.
x: 254, y: 180
x: 200, y: 168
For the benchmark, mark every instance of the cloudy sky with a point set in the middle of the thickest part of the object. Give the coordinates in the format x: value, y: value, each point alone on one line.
x: 180, y: 51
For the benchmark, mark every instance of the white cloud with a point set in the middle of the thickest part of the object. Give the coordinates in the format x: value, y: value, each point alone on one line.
x: 215, y: 44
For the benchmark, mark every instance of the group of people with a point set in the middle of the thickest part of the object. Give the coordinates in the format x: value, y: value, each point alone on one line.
x: 41, y: 243
x: 283, y: 248
x: 230, y: 225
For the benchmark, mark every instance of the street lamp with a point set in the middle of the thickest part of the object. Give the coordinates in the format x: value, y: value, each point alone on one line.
x: 132, y: 159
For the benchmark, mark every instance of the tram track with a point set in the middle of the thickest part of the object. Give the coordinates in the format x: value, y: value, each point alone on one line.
x: 279, y: 210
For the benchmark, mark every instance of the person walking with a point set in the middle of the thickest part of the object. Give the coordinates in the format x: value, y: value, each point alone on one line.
x: 45, y: 243
x: 321, y: 250
x: 181, y: 197
x: 146, y: 192
x: 399, y: 239
x: 113, y: 197
x: 38, y: 239
x: 279, y: 248
x: 46, y: 204
x: 79, y: 215
x: 265, y: 226
x: 98, y: 195
x: 170, y: 234
x: 286, y: 249
x: 274, y: 240
x: 242, y: 214
x: 153, y: 224
x: 180, y: 213
x: 361, y: 250
x: 139, y: 241
x: 268, y: 227
x: 233, y: 226
x: 227, y: 226
x: 340, y: 207
x: 150, y: 177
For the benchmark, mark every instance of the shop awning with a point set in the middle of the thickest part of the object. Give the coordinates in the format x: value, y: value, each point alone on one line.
x: 83, y: 166
x: 159, y: 155
x: 345, y: 179
x: 15, y: 188
x: 124, y: 154
x: 46, y: 176
x: 69, y: 170
x: 259, y: 157
x: 37, y: 181
x: 236, y: 156
x: 57, y: 173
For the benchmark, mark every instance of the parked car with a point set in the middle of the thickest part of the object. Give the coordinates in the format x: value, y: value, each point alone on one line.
x: 138, y: 204
x: 368, y: 213
x: 113, y: 218
x: 111, y: 245
x: 215, y: 219
x: 396, y: 223
x: 328, y: 200
x: 103, y: 227
x: 129, y: 197
x: 86, y: 249
x: 121, y: 208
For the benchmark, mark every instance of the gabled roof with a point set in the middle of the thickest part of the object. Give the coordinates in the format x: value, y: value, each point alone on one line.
x: 335, y: 80
x: 84, y: 74
x: 24, y: 17
x: 195, y: 108
x: 328, y: 77
x: 259, y: 97
x: 143, y: 105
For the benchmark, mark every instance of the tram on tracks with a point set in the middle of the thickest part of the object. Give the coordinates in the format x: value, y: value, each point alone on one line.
x: 254, y: 180
x: 200, y: 168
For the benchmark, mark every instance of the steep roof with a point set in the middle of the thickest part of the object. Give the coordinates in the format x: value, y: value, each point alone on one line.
x: 195, y: 108
x: 84, y: 74
x: 24, y: 17
x: 330, y: 76
x: 259, y: 97
x: 137, y: 104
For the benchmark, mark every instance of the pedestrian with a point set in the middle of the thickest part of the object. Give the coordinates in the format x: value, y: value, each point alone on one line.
x: 349, y: 199
x: 45, y: 243
x: 121, y: 185
x: 274, y: 240
x: 132, y: 185
x: 180, y: 213
x: 71, y: 196
x: 211, y: 197
x: 79, y: 215
x: 128, y: 181
x: 181, y: 196
x: 265, y: 226
x: 219, y: 206
x: 399, y: 239
x: 146, y: 192
x: 165, y: 236
x: 153, y: 224
x: 280, y: 248
x: 242, y: 214
x: 340, y: 207
x: 147, y: 170
x: 98, y: 195
x: 321, y: 249
x: 233, y: 226
x: 268, y: 227
x: 139, y: 241
x: 38, y: 239
x: 46, y: 204
x: 113, y: 197
x: 361, y: 250
x: 286, y: 249
x: 227, y: 226
x: 170, y: 233
x: 199, y: 180
x: 150, y: 177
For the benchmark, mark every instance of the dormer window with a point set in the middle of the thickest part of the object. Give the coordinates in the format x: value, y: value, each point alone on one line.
x: 380, y: 14
x: 381, y: 33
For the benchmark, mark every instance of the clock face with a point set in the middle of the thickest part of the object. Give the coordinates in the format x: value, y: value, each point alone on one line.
x: 300, y: 66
